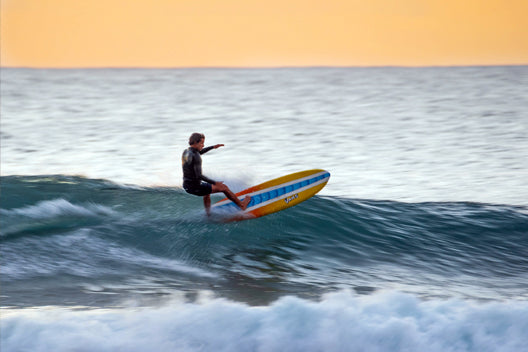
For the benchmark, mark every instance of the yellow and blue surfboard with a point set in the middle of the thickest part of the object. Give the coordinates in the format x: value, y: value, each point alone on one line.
x: 273, y: 196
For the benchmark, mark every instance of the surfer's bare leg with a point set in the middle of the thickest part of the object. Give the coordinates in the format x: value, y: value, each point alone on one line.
x: 221, y: 187
x: 207, y: 204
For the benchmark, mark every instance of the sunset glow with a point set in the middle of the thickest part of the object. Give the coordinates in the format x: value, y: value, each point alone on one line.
x: 251, y: 33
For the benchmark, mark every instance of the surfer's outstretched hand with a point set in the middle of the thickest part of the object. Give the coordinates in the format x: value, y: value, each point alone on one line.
x: 218, y: 146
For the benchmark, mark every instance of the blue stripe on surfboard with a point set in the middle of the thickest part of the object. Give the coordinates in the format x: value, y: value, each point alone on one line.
x: 275, y: 193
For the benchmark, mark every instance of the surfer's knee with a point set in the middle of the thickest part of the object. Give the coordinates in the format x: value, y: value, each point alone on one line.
x: 220, y: 187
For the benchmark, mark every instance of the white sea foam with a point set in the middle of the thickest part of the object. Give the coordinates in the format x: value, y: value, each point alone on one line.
x: 59, y: 207
x: 341, y: 321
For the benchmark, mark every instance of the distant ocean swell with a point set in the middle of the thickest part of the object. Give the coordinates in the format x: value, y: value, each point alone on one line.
x: 340, y: 321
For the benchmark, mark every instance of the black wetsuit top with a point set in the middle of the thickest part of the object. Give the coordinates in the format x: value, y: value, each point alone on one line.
x: 192, y: 169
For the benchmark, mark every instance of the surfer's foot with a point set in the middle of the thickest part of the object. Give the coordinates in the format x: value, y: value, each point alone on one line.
x: 245, y: 202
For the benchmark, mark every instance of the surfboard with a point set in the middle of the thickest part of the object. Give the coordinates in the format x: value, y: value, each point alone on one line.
x: 273, y: 196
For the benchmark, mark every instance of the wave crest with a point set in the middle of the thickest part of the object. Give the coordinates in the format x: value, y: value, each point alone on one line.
x: 59, y: 207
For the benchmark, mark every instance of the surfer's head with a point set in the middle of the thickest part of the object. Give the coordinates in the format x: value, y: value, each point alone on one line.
x: 196, y: 138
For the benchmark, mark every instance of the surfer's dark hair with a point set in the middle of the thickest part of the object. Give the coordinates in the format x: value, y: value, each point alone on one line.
x: 195, y: 138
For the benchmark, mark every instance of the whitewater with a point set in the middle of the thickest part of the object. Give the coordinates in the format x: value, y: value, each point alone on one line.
x: 419, y: 242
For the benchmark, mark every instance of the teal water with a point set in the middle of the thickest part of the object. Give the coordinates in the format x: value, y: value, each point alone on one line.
x: 78, y: 233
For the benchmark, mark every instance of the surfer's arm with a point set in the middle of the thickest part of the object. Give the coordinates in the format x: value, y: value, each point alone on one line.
x: 200, y: 176
x: 208, y: 180
x: 205, y: 150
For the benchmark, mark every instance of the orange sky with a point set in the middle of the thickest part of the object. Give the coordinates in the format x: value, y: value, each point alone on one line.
x: 249, y: 33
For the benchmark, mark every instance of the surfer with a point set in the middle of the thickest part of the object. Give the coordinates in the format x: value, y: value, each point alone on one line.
x: 193, y: 179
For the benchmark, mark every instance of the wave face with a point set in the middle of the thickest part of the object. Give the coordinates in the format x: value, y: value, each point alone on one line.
x: 72, y: 240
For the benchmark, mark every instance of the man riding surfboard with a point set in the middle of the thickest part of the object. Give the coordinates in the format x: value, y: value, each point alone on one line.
x: 194, y: 182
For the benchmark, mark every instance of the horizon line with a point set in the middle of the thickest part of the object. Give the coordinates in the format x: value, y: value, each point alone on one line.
x: 254, y: 67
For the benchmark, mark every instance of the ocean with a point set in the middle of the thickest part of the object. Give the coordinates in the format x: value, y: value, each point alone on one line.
x: 419, y: 242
